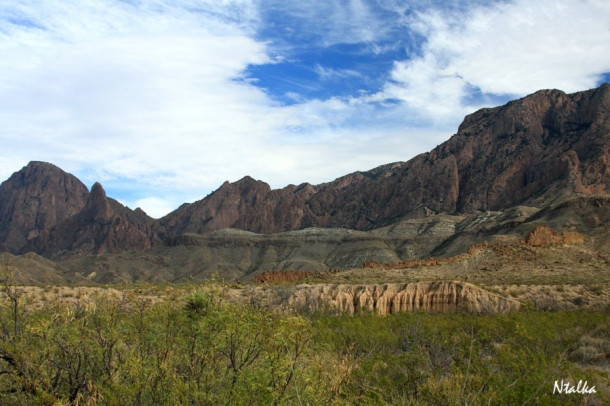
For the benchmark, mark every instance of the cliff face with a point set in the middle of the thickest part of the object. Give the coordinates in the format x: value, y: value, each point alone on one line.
x: 103, y: 225
x: 536, y: 151
x: 34, y: 199
x: 532, y: 151
x: 390, y: 298
x: 247, y: 204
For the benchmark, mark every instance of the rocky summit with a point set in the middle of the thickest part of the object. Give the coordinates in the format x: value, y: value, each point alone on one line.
x: 35, y: 199
x: 533, y: 151
x: 543, y: 160
x: 103, y: 225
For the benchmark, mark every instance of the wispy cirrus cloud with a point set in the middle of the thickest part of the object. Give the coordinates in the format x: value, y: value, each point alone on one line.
x: 319, y: 23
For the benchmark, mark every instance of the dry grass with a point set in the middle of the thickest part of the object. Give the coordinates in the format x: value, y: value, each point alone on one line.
x: 38, y: 298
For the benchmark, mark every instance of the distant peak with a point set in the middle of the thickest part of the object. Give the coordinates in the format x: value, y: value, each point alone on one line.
x: 547, y: 91
x: 98, y: 189
x: 38, y: 166
x: 247, y: 179
x: 39, y: 163
x: 98, y: 206
x: 43, y: 174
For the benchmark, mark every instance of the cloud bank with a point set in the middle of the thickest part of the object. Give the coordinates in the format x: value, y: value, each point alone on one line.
x: 158, y: 100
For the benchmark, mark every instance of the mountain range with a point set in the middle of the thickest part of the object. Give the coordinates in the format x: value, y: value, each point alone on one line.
x: 542, y: 159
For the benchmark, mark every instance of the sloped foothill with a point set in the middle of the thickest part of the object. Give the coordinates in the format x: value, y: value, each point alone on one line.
x: 581, y: 214
x: 33, y: 269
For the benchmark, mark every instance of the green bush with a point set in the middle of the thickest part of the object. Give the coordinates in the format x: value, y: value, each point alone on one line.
x: 203, y: 349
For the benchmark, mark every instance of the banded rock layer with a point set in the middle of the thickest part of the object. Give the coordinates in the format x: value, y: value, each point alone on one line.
x: 439, y: 296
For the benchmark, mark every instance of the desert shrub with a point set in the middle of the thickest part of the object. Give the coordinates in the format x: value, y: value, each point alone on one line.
x: 418, y: 358
x: 593, y: 347
x: 198, y: 304
x: 202, y: 349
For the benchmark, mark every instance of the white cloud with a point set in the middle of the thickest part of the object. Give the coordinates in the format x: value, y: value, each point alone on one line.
x: 133, y: 93
x: 508, y: 48
x: 156, y: 207
x: 153, y: 94
x: 326, y: 23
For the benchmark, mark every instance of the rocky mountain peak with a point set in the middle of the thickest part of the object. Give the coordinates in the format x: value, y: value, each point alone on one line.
x: 247, y: 186
x: 535, y: 151
x: 98, y: 207
x: 36, y: 198
x: 103, y: 225
x: 97, y: 191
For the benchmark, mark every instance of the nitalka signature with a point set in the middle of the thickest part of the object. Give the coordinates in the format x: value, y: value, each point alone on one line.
x: 568, y: 388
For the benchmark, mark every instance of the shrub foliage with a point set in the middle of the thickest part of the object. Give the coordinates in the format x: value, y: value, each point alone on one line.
x: 204, y: 350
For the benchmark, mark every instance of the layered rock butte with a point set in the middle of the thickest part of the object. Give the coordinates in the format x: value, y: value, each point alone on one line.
x: 440, y: 296
x: 506, y: 166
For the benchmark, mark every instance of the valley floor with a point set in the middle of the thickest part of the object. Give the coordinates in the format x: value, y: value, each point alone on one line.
x: 196, y: 344
x: 239, y: 343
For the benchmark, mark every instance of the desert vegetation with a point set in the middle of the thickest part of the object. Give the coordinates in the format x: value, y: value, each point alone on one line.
x: 190, y: 344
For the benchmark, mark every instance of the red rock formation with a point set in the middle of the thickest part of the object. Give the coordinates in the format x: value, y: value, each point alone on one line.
x: 34, y: 199
x: 104, y: 225
x: 543, y: 236
x: 534, y: 151
x: 247, y: 204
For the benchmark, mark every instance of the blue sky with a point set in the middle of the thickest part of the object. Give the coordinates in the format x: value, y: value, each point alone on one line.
x: 163, y: 100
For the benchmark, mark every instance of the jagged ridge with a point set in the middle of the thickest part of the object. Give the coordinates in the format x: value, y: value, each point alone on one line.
x: 532, y: 151
x: 535, y: 151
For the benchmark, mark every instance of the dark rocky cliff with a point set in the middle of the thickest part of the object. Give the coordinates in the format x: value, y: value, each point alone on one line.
x: 535, y: 151
x: 103, y: 225
x: 34, y: 199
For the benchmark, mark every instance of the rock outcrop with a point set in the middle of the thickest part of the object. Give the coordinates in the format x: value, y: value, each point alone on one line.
x: 537, y: 152
x: 312, y: 249
x: 441, y: 296
x: 34, y: 199
x: 103, y: 225
x: 534, y: 151
x: 543, y: 236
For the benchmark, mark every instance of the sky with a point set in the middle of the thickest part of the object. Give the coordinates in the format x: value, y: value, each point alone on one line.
x: 161, y: 101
